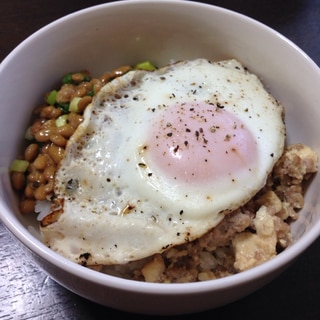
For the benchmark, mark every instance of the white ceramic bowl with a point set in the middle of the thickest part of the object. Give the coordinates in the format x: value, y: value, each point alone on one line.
x: 106, y: 36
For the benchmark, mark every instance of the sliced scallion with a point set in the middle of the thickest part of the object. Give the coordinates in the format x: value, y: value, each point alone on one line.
x: 63, y: 106
x: 86, y: 77
x: 52, y: 97
x: 19, y: 165
x: 145, y: 65
x: 61, y: 121
x: 28, y: 134
x: 73, y: 107
x: 67, y: 78
x: 91, y: 92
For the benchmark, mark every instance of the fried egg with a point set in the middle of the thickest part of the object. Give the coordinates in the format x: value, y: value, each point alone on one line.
x: 161, y: 157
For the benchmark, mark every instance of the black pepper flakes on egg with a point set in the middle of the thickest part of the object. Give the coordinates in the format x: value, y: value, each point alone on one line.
x: 72, y: 184
x: 85, y: 255
x: 219, y: 105
x: 142, y: 165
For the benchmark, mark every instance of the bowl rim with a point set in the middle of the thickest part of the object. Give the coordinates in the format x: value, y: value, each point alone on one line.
x: 118, y: 3
x: 12, y: 223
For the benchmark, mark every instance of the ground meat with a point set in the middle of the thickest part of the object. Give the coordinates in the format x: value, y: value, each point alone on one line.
x: 296, y: 164
x: 221, y: 235
x: 247, y: 237
x: 252, y: 249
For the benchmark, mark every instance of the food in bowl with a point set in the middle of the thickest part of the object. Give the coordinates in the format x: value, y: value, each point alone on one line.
x: 176, y: 174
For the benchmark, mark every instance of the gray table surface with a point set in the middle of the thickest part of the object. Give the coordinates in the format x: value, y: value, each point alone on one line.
x: 26, y: 292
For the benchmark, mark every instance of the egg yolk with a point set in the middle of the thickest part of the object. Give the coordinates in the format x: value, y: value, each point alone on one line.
x: 198, y: 143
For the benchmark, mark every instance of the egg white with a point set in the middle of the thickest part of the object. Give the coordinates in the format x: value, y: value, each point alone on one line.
x: 117, y: 207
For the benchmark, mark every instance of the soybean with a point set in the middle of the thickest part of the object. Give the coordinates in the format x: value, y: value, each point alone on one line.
x: 48, y: 136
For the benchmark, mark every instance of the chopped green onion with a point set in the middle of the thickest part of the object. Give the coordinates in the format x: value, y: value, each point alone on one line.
x: 63, y: 106
x: 67, y: 78
x: 28, y: 134
x: 52, y: 98
x: 62, y: 120
x: 19, y: 165
x: 145, y: 65
x: 91, y: 92
x: 86, y: 77
x: 73, y: 107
